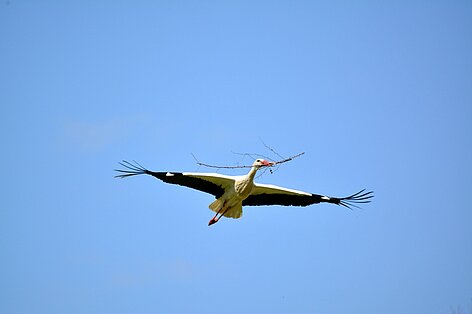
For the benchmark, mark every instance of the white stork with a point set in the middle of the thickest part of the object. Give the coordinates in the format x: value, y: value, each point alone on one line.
x: 234, y: 192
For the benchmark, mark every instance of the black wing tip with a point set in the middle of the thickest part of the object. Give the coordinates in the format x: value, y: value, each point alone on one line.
x: 361, y: 197
x: 131, y: 169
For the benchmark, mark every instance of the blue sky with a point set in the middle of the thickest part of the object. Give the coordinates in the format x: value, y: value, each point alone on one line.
x: 377, y: 94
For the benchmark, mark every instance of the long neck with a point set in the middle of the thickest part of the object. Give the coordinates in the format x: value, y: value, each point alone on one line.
x: 252, y: 173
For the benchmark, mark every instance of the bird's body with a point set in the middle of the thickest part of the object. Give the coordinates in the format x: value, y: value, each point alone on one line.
x: 234, y: 192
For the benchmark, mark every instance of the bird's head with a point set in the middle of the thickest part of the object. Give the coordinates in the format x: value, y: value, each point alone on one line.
x: 258, y: 163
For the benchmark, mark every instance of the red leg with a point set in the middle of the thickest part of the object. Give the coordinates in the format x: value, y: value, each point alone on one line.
x: 215, y: 219
x: 212, y: 221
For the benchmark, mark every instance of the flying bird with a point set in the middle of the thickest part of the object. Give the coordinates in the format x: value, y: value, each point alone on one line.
x: 234, y: 192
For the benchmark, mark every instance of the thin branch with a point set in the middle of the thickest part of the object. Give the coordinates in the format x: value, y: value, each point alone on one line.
x: 245, y: 166
x: 251, y: 155
x: 289, y: 159
x: 271, y: 149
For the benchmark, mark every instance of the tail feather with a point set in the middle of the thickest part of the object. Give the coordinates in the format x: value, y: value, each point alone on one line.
x: 216, y: 205
x: 233, y: 212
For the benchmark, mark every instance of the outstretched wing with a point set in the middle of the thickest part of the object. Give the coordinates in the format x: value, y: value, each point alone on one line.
x: 212, y: 183
x: 266, y: 194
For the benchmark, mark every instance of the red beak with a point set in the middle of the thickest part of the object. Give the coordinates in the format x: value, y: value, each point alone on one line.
x: 267, y: 163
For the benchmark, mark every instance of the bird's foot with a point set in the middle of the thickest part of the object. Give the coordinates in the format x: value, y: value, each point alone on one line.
x: 214, y: 220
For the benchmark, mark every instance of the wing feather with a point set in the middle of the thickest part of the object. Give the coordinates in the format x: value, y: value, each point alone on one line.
x: 265, y: 194
x: 212, y: 183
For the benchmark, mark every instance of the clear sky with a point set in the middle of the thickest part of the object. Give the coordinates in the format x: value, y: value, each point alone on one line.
x: 377, y: 94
